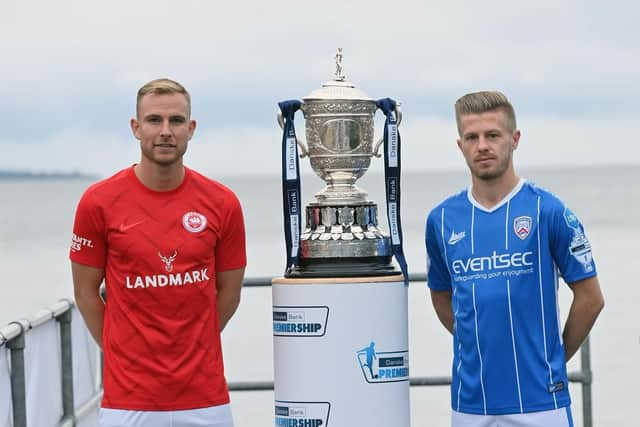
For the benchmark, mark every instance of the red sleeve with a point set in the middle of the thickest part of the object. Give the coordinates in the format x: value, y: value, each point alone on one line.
x: 231, y: 247
x: 88, y: 245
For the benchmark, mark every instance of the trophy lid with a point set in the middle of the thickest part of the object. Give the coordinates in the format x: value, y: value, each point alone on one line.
x: 339, y: 88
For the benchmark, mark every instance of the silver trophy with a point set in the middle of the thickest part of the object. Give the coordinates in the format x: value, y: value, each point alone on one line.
x: 342, y: 236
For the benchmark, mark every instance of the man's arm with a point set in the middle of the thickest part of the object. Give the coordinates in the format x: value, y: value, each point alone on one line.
x: 441, y: 301
x: 86, y: 287
x: 228, y: 284
x: 585, y: 307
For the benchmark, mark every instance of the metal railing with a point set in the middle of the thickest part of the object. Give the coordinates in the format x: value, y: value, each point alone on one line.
x: 12, y: 336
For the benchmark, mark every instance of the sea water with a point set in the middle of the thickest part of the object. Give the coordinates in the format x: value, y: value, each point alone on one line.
x: 36, y: 217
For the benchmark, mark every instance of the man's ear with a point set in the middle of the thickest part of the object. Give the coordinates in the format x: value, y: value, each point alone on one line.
x: 516, y: 139
x: 192, y: 128
x: 135, y: 127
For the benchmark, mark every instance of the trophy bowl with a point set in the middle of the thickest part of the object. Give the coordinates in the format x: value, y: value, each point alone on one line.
x: 339, y: 130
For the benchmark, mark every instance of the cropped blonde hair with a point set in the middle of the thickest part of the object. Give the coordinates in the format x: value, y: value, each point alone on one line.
x: 482, y: 102
x: 162, y: 87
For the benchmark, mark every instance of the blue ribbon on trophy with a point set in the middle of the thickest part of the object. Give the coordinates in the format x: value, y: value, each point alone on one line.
x: 291, y: 183
x: 392, y: 180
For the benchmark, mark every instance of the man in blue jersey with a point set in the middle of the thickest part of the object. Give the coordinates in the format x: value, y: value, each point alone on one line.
x: 495, y: 253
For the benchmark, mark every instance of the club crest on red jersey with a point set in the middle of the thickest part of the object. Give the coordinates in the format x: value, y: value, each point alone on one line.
x: 522, y: 226
x: 194, y: 222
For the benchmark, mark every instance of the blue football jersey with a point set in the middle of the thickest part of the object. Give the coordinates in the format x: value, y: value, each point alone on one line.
x: 502, y: 266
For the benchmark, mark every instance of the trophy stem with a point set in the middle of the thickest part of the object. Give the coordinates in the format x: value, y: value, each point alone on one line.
x: 341, y: 194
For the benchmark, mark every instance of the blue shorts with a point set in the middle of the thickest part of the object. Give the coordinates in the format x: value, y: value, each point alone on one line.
x: 560, y: 417
x: 213, y: 416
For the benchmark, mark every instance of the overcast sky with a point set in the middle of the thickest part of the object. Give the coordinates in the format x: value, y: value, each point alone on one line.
x: 70, y: 71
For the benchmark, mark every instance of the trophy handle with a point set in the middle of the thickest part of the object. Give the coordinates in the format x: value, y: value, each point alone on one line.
x: 398, y: 112
x: 303, y: 149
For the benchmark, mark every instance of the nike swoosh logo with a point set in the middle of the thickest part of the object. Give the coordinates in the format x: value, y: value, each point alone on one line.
x: 126, y: 227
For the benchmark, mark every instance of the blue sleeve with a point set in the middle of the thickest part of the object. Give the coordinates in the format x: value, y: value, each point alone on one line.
x: 569, y: 245
x: 438, y: 277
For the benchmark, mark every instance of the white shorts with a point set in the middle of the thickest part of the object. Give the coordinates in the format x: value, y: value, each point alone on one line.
x: 560, y: 417
x: 213, y: 416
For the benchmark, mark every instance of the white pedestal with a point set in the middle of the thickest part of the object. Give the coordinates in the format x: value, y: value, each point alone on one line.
x: 341, y: 352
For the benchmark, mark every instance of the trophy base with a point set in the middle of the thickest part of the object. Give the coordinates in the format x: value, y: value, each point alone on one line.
x: 343, y: 267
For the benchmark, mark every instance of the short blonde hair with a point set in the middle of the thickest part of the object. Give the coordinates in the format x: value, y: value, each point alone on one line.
x: 482, y: 102
x: 162, y: 87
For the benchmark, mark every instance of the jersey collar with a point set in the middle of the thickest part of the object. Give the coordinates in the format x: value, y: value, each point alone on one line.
x: 498, y: 205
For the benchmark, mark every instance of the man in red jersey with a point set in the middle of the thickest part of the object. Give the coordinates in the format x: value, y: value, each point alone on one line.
x: 170, y: 245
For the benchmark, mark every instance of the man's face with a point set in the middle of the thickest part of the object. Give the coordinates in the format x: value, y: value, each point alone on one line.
x: 487, y: 144
x: 163, y: 128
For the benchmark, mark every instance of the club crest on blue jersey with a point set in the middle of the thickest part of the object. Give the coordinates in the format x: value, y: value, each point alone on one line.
x: 522, y: 226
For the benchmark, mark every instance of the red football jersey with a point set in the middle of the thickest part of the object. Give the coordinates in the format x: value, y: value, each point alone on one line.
x: 160, y: 252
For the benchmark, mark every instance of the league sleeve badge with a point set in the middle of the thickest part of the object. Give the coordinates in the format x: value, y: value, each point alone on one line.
x: 571, y: 219
x: 580, y: 248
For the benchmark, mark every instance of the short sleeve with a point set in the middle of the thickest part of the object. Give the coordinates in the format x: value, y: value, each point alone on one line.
x: 231, y: 247
x: 88, y: 244
x: 438, y: 277
x: 569, y: 244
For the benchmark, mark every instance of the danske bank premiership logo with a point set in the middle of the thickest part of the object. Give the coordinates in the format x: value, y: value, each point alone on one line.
x: 300, y: 321
x: 302, y: 414
x: 383, y: 366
